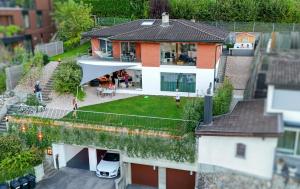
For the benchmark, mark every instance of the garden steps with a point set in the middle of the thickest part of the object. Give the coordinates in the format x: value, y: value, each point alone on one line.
x: 49, y: 170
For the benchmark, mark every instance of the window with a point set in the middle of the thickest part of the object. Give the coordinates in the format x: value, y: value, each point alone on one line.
x: 39, y: 19
x: 178, y: 54
x: 181, y: 81
x: 287, y: 141
x: 241, y: 150
x: 26, y: 19
x: 106, y: 47
x: 128, y: 51
x: 298, y: 146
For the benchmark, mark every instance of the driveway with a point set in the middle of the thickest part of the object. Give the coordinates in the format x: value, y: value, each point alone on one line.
x: 70, y: 178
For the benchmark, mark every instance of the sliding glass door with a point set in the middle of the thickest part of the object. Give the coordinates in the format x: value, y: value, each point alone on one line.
x: 184, y: 82
x: 290, y: 142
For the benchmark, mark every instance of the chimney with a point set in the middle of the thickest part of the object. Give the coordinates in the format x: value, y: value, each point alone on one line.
x: 165, y: 19
x: 208, y: 107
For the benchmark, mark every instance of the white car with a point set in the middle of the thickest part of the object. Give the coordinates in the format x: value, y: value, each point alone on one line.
x: 109, y: 166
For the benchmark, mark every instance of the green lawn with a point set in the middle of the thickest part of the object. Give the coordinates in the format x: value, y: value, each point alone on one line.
x: 163, y: 107
x: 156, y: 106
x: 73, y: 53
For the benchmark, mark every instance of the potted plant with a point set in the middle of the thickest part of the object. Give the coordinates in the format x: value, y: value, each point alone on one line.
x: 279, y: 165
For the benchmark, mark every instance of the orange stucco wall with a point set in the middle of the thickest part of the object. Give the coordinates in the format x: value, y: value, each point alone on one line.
x: 138, y: 51
x: 206, y: 55
x: 95, y: 45
x: 116, y: 49
x: 150, y: 54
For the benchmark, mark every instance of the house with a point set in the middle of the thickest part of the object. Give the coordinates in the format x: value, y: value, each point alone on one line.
x: 283, y: 82
x: 34, y: 17
x: 238, y: 147
x: 244, y: 37
x: 160, y: 55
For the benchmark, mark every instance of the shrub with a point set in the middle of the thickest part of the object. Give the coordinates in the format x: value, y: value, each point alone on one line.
x: 20, y: 164
x: 194, y: 108
x: 2, y: 81
x: 32, y: 100
x: 67, y: 78
x: 9, y: 146
x: 20, y: 55
x: 71, y: 43
x: 46, y: 59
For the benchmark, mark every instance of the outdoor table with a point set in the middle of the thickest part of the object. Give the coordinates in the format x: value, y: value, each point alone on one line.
x: 108, y: 92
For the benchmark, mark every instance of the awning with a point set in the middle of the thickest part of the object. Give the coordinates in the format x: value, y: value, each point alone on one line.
x: 94, y: 68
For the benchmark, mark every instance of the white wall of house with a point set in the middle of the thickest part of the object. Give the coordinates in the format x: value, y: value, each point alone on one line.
x: 221, y: 151
x: 284, y: 101
x: 151, y: 79
x: 65, y: 153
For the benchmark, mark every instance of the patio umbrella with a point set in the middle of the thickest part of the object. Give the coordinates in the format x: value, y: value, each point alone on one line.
x: 94, y: 68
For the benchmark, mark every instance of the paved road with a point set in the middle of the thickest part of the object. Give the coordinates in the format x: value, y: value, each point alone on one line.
x: 69, y: 178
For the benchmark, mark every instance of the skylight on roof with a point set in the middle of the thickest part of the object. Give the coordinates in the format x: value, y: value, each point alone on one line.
x: 147, y: 23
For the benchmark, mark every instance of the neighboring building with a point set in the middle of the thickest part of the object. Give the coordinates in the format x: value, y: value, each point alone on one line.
x: 161, y: 55
x: 239, y: 146
x: 244, y: 37
x: 283, y: 80
x: 34, y: 17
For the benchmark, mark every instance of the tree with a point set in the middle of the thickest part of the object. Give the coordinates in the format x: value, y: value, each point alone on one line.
x: 157, y: 7
x: 72, y: 19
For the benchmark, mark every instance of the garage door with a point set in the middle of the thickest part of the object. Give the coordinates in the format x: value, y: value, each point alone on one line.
x: 80, y: 160
x: 178, y: 179
x: 144, y: 175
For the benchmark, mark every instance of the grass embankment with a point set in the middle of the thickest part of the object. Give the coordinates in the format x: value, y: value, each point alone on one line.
x: 73, y: 53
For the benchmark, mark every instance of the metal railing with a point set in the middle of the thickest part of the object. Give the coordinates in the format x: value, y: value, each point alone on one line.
x: 106, y: 119
x: 51, y: 49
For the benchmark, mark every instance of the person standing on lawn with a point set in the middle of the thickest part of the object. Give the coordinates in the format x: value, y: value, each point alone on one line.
x: 75, y: 107
x: 38, y: 91
x: 177, y: 98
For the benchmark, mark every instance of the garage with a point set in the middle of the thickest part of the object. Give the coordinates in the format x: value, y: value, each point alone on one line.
x: 144, y: 175
x: 80, y: 160
x: 179, y: 179
x: 100, y: 155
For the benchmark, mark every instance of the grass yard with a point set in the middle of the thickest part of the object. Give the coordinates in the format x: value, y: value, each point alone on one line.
x: 156, y: 106
x: 73, y: 53
x: 153, y: 106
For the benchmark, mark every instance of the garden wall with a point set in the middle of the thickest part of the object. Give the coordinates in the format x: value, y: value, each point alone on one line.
x: 13, y: 76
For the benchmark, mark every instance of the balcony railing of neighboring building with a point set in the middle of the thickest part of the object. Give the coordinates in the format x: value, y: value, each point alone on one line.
x: 28, y: 4
x: 182, y: 54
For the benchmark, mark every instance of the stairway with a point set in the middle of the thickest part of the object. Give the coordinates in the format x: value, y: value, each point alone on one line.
x: 11, y: 110
x: 46, y: 90
x: 49, y: 170
x: 3, y: 126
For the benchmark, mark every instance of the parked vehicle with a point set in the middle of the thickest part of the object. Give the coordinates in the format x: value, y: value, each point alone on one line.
x: 109, y: 166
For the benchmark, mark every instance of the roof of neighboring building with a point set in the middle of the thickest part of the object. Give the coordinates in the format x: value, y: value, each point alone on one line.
x: 177, y: 30
x: 247, y: 119
x: 283, y: 69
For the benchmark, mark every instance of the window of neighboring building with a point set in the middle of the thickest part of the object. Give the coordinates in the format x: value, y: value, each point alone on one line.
x: 26, y: 19
x: 298, y: 146
x: 39, y: 19
x: 106, y: 47
x: 241, y: 150
x: 184, y: 82
x: 287, y: 141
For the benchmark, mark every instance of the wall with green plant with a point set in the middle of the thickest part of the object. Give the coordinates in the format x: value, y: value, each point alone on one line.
x: 179, y: 150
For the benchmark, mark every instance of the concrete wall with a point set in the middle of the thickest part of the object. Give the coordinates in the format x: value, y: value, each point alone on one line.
x: 221, y: 151
x: 285, y: 102
x: 13, y: 76
x: 65, y: 153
